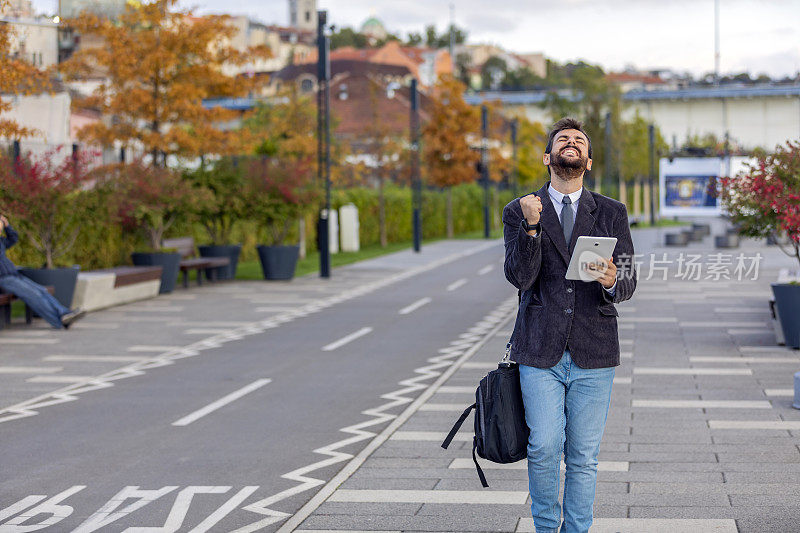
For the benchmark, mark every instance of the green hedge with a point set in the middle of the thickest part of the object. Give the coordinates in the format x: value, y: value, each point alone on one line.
x: 102, y: 244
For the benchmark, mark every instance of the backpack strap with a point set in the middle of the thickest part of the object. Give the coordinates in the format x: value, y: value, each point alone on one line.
x: 457, y: 426
x: 477, y: 466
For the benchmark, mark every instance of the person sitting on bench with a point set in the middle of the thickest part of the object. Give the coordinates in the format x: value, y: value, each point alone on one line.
x: 38, y: 299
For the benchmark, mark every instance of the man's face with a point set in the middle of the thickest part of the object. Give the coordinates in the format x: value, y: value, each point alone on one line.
x: 569, y: 155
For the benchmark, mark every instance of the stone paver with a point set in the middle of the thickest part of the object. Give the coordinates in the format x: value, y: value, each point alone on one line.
x: 706, y: 443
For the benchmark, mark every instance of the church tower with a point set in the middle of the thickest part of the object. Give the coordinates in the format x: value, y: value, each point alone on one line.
x: 303, y: 14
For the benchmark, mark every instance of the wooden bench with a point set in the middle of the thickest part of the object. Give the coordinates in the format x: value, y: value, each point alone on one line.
x: 6, y: 299
x: 185, y: 246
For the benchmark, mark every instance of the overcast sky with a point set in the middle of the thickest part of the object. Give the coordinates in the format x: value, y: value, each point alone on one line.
x: 757, y: 36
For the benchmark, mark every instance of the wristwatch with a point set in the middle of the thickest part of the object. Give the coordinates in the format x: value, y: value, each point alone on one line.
x: 528, y: 227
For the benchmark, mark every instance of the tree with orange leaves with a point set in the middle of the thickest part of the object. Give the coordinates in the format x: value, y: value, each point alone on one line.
x: 158, y: 64
x: 18, y: 78
x: 447, y: 154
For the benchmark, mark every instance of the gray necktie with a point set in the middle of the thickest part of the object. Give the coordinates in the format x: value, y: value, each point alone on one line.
x: 567, y: 218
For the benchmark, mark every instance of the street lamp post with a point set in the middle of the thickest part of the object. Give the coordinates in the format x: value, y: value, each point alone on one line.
x: 415, y: 174
x: 323, y: 142
x: 651, y: 133
x: 485, y: 168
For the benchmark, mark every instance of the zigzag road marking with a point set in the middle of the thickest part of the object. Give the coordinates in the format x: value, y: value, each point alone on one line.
x: 451, y: 358
x: 70, y: 392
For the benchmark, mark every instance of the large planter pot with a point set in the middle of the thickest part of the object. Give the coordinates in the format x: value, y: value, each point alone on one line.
x: 170, y: 263
x: 278, y: 262
x: 231, y: 251
x: 787, y: 300
x: 62, y: 279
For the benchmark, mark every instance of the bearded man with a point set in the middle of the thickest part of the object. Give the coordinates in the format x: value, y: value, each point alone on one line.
x: 565, y: 336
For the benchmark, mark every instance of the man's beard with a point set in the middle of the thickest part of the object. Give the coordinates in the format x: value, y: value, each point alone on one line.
x: 568, y: 168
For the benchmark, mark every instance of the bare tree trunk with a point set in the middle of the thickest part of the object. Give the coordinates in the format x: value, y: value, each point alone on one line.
x: 495, y: 208
x: 449, y: 214
x: 637, y: 197
x: 623, y: 191
x: 382, y: 213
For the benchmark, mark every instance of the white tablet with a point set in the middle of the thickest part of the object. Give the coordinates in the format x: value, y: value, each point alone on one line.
x: 589, y: 250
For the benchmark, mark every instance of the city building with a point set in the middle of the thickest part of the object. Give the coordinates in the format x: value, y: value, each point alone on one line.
x: 374, y: 30
x: 303, y: 14
x: 425, y: 64
x: 18, y: 9
x: 33, y: 39
x: 751, y: 116
x: 107, y: 8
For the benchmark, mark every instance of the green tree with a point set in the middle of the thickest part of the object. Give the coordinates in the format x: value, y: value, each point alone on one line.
x: 157, y: 65
x: 348, y: 37
x: 447, y: 154
x: 493, y: 71
x: 531, y: 142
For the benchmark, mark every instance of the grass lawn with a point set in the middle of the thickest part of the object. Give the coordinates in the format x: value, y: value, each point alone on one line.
x: 663, y: 222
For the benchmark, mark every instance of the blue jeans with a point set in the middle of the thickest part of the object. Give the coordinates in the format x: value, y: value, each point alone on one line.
x: 38, y: 299
x: 566, y: 408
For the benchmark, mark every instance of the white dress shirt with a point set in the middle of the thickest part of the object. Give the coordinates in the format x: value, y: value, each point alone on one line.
x: 557, y: 199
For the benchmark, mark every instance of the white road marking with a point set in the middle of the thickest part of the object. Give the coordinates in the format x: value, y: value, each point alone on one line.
x: 649, y: 319
x: 71, y: 392
x: 485, y: 270
x: 224, y: 510
x: 747, y: 331
x: 29, y: 369
x: 152, y: 309
x: 95, y: 358
x: 95, y: 325
x: 347, y: 338
x: 748, y: 360
x: 225, y: 400
x: 467, y: 464
x: 747, y: 310
x: 416, y: 305
x: 273, y: 309
x: 206, y: 331
x: 651, y: 525
x: 789, y: 425
x: 715, y: 324
x: 209, y: 324
x: 155, y: 349
x: 475, y: 497
x: 58, y: 379
x: 20, y: 340
x: 779, y: 392
x: 107, y: 515
x: 440, y: 368
x: 622, y: 380
x: 456, y: 284
x: 455, y: 389
x: 444, y: 407
x: 703, y: 404
x: 50, y: 507
x: 693, y: 371
x: 764, y: 349
x: 341, y: 531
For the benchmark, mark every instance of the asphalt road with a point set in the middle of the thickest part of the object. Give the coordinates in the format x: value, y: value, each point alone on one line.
x: 192, y: 446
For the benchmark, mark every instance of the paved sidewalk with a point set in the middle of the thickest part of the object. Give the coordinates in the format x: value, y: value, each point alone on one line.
x: 701, y: 435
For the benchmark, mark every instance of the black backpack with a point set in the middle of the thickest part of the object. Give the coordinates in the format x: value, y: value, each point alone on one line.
x: 501, y: 433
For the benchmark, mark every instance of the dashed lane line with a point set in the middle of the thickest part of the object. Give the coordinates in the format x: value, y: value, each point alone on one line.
x: 225, y: 400
x: 416, y: 305
x: 166, y: 357
x: 346, y: 339
x: 456, y: 284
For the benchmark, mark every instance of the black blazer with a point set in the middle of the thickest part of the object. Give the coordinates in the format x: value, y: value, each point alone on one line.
x: 556, y: 313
